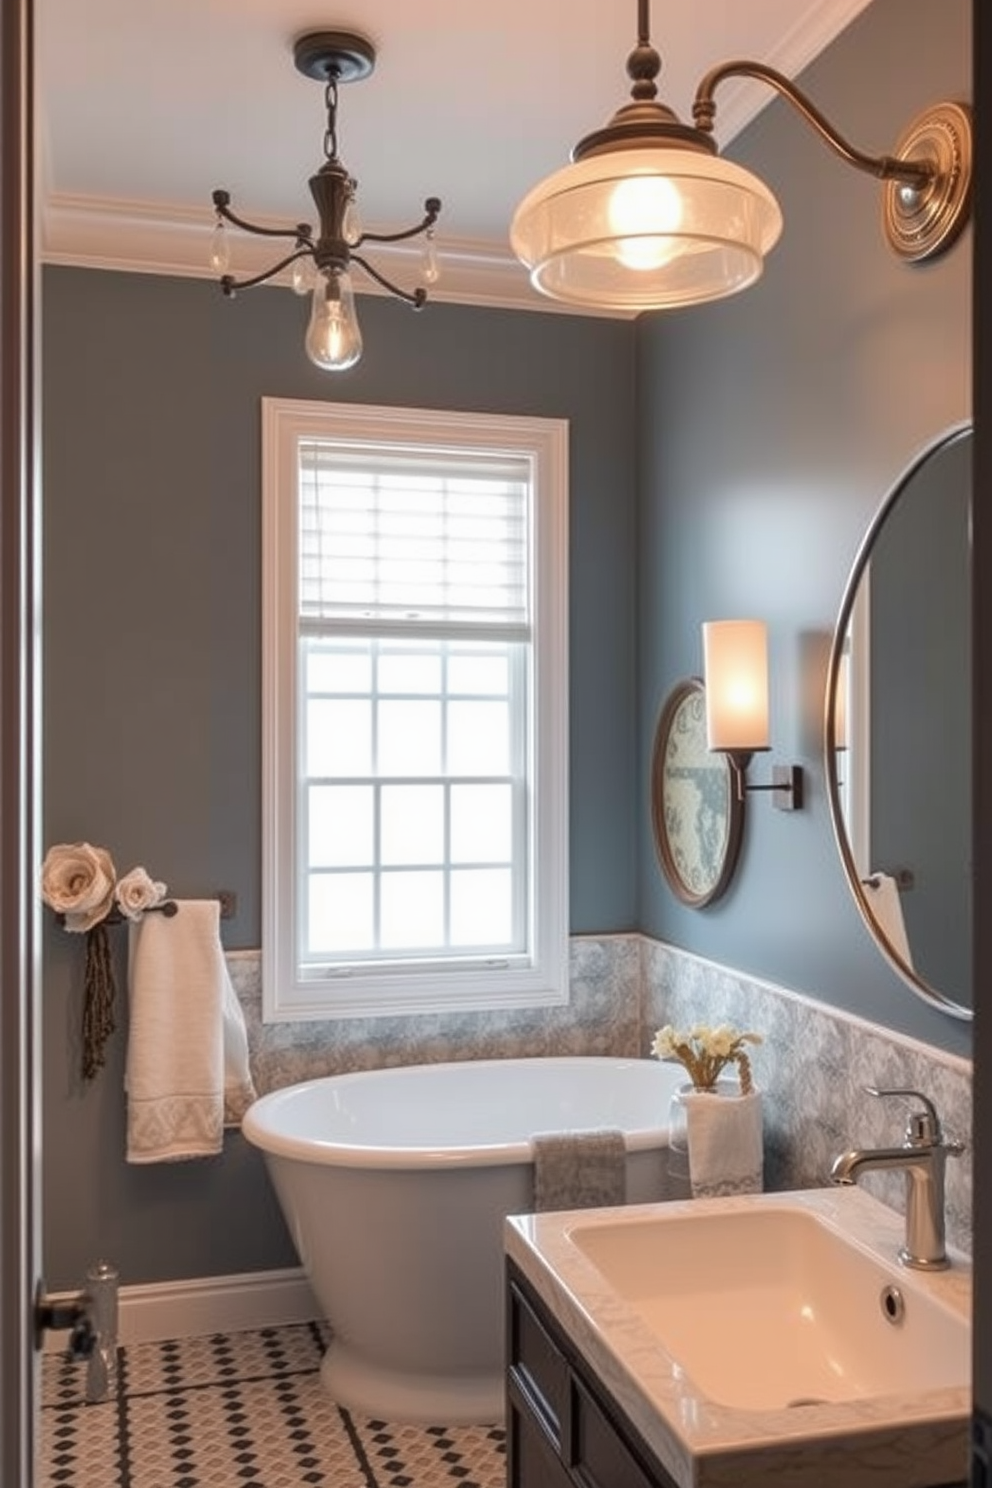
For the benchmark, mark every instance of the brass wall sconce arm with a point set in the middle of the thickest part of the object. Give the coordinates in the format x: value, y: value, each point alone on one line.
x: 928, y: 179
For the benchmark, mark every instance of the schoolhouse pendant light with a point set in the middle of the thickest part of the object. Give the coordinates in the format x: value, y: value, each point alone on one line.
x: 321, y: 264
x: 648, y: 215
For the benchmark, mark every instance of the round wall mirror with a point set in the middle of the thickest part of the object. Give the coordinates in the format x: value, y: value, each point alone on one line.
x: 898, y: 726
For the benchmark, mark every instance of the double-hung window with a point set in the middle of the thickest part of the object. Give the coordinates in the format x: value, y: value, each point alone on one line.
x: 414, y: 710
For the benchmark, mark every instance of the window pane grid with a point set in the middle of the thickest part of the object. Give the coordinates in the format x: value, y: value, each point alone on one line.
x: 448, y: 901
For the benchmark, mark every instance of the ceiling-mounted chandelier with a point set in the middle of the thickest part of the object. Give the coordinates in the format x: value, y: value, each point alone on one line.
x: 321, y: 264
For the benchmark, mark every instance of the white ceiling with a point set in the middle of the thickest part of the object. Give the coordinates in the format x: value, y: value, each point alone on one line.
x: 145, y: 106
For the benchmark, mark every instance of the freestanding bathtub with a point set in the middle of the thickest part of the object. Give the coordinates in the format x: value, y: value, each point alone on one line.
x: 395, y: 1184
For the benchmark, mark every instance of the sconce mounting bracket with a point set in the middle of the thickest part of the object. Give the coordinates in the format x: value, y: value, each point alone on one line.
x: 922, y: 221
x: 787, y: 787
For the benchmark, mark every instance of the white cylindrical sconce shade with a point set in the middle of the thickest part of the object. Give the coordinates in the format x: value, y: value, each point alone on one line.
x: 735, y: 662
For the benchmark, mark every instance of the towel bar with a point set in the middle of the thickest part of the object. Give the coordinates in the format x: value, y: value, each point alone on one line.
x: 169, y: 907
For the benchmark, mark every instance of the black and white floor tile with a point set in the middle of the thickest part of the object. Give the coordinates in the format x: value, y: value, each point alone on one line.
x: 241, y: 1410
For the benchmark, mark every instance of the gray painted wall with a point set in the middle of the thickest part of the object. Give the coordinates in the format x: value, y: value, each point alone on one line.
x: 771, y: 427
x: 152, y: 655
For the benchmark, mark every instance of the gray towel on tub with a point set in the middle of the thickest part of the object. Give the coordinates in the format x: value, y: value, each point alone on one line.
x: 579, y: 1169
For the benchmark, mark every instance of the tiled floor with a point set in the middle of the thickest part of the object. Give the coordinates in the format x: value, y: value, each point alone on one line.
x: 241, y: 1410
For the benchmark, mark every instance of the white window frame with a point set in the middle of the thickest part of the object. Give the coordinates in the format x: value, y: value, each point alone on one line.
x: 539, y: 978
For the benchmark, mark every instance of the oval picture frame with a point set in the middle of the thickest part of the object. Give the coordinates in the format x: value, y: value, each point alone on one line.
x: 696, y: 815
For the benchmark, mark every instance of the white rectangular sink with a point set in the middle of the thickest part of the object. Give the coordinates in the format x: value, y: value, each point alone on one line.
x: 768, y: 1338
x: 772, y: 1307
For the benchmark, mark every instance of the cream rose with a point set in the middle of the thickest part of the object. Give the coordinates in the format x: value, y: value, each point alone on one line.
x: 136, y: 892
x: 77, y: 881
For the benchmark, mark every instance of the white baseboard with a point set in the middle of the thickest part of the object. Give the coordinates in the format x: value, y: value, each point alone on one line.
x: 211, y: 1304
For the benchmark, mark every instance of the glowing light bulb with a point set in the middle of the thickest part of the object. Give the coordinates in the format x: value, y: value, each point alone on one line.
x: 644, y: 212
x: 334, y: 340
x: 220, y: 249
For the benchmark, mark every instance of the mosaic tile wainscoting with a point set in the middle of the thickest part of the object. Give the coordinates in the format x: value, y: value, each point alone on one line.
x: 812, y: 1068
x: 601, y: 1017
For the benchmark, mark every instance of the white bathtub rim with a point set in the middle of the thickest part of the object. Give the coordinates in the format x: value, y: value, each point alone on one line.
x: 434, y: 1156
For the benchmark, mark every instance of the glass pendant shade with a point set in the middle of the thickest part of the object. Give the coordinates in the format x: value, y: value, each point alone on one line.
x: 643, y: 228
x: 334, y: 340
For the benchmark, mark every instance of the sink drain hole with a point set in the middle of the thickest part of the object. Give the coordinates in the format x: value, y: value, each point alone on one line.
x: 801, y: 1400
x: 893, y: 1304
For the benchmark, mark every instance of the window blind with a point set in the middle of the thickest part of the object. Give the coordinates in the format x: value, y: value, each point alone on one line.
x: 397, y: 536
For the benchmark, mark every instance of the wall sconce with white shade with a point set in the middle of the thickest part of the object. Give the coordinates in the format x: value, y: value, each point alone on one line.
x: 648, y: 215
x: 735, y: 665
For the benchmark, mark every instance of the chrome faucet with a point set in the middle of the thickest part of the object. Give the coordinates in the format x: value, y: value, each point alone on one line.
x: 923, y: 1155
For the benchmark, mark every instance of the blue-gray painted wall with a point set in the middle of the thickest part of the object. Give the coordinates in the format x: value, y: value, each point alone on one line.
x: 152, y: 659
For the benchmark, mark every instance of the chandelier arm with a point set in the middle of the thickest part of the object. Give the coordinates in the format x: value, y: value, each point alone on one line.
x: 883, y: 167
x: 230, y: 285
x: 432, y: 210
x: 302, y: 232
x: 417, y: 299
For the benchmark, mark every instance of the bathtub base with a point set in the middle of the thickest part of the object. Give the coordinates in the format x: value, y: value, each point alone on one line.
x: 419, y: 1399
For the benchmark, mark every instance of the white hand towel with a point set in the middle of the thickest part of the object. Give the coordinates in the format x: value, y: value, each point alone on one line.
x: 187, y: 1053
x: 726, y: 1148
x: 882, y: 893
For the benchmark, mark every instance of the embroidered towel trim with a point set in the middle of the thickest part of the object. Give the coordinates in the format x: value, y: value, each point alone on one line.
x: 579, y: 1169
x: 725, y: 1142
x: 187, y: 1055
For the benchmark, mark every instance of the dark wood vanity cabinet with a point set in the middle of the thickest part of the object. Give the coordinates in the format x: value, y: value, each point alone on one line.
x: 562, y: 1430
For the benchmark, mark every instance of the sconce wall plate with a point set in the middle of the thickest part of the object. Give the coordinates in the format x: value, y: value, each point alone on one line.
x: 920, y: 224
x: 696, y: 813
x: 787, y: 787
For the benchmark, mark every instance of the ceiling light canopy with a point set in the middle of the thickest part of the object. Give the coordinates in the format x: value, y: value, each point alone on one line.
x: 321, y: 265
x: 648, y: 215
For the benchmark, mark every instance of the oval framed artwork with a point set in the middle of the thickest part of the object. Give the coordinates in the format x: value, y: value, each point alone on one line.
x: 695, y: 813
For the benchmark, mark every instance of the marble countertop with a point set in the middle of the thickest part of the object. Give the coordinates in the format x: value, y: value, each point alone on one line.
x: 894, y: 1441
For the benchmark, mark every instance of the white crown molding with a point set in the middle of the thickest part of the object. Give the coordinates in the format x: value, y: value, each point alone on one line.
x: 813, y: 30
x: 211, y: 1304
x: 150, y: 238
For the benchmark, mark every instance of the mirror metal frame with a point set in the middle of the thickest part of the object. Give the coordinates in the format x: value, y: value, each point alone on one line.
x: 911, y: 977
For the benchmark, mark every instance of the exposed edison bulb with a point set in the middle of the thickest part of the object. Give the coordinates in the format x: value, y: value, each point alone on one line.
x: 220, y: 249
x: 640, y: 208
x: 334, y: 340
x: 432, y: 270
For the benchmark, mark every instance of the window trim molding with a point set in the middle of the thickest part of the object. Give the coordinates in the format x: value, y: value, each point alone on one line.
x: 286, y: 995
